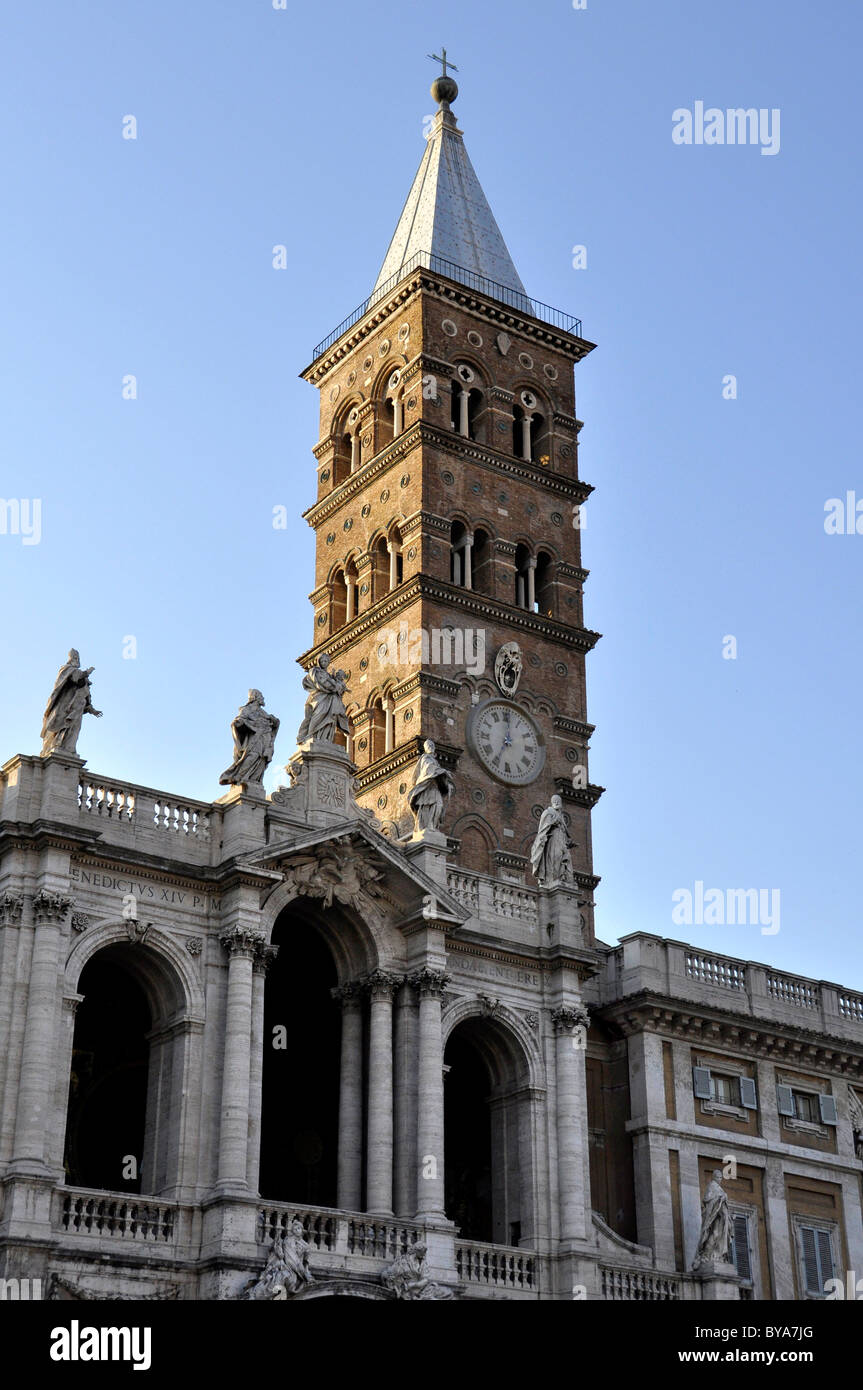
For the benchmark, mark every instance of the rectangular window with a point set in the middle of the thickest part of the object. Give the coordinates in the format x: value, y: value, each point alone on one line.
x: 739, y: 1253
x: 816, y: 1258
x: 806, y: 1107
x: 725, y: 1089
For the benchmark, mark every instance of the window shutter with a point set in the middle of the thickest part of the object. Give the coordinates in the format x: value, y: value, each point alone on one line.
x: 827, y: 1106
x: 825, y: 1257
x: 740, y: 1246
x: 748, y: 1097
x: 810, y: 1260
x: 785, y: 1101
x: 701, y: 1082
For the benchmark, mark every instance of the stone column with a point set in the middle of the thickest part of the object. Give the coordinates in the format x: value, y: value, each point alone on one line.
x: 351, y: 605
x: 38, y: 1057
x: 430, y: 985
x: 397, y: 417
x: 570, y: 1026
x: 242, y: 945
x: 468, y: 560
x: 379, y: 1180
x: 525, y: 435
x: 11, y: 910
x: 531, y: 582
x: 463, y: 416
x: 350, y: 1165
x: 263, y: 959
x: 355, y: 451
x: 405, y: 1102
x: 389, y: 723
x: 393, y: 549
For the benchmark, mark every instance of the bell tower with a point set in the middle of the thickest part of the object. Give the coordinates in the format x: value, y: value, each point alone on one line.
x: 448, y: 577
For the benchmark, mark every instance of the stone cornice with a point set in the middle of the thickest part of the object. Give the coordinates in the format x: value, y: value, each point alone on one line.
x: 566, y: 422
x: 585, y: 964
x: 573, y: 726
x: 439, y: 287
x: 403, y: 757
x: 424, y: 433
x: 582, y: 796
x: 480, y: 606
x: 770, y: 1039
x: 563, y: 570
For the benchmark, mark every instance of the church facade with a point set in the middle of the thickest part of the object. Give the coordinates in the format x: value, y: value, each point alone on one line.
x: 358, y: 1036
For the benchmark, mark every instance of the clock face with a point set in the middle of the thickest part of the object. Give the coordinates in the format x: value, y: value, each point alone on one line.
x: 507, y: 742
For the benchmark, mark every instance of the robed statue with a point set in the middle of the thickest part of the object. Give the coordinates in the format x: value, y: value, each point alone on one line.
x: 287, y: 1269
x: 550, y: 858
x: 715, y: 1237
x: 68, y: 702
x: 325, y: 707
x: 407, y: 1277
x: 432, y: 787
x: 254, y: 732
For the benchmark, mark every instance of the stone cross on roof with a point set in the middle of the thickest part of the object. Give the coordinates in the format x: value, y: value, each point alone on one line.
x: 442, y: 60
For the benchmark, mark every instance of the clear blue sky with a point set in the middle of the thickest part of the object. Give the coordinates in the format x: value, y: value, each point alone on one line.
x: 304, y: 127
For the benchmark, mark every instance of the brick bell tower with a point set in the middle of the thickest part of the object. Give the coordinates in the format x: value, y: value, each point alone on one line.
x: 448, y: 575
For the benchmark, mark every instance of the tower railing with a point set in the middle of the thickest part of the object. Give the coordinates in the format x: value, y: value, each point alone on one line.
x: 425, y: 260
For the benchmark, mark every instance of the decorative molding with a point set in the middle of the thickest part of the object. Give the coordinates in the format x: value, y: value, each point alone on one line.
x: 382, y: 984
x: 569, y: 1017
x: 264, y: 957
x: 243, y: 941
x: 11, y: 908
x: 429, y: 983
x: 195, y: 945
x: 80, y: 921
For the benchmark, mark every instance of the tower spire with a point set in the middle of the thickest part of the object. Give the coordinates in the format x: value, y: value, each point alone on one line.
x: 446, y: 214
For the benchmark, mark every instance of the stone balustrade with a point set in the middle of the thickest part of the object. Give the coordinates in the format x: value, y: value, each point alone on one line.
x: 676, y: 970
x: 148, y: 818
x: 623, y: 1285
x: 339, y: 1232
x: 146, y: 1221
x: 497, y: 1266
x: 485, y: 896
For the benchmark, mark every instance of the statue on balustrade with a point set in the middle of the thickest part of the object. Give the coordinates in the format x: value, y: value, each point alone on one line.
x: 432, y: 788
x: 68, y: 702
x: 715, y: 1237
x: 407, y: 1276
x: 287, y: 1269
x: 550, y: 856
x: 325, y: 711
x: 254, y: 732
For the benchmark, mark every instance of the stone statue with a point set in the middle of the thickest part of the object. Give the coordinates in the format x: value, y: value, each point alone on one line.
x: 287, y: 1269
x: 407, y: 1276
x: 550, y: 858
x: 254, y: 732
x: 69, y: 701
x: 715, y: 1234
x: 432, y: 788
x: 325, y: 708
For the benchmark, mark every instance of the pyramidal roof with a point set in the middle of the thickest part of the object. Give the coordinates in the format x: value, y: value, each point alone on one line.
x: 446, y: 213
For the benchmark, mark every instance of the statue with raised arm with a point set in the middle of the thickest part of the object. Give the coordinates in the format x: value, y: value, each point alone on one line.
x: 432, y: 788
x: 325, y: 711
x: 254, y: 732
x: 550, y: 858
x: 715, y: 1237
x: 67, y: 704
x: 287, y: 1269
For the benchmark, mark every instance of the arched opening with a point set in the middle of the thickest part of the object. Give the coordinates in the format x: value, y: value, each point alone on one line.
x: 538, y: 440
x: 380, y: 569
x: 127, y: 1075
x: 476, y: 849
x: 459, y: 560
x: 522, y: 576
x: 518, y: 432
x: 341, y: 465
x: 338, y: 601
x: 466, y: 402
x: 377, y: 730
x: 300, y: 1079
x: 488, y: 1134
x: 544, y: 591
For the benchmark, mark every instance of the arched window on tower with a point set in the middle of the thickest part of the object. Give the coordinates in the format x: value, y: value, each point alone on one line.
x: 380, y: 569
x: 377, y: 730
x: 352, y: 591
x: 466, y: 401
x: 394, y: 407
x: 338, y: 601
x: 523, y: 576
x: 544, y: 590
x: 460, y: 568
x: 396, y: 560
x: 525, y: 429
x: 341, y: 465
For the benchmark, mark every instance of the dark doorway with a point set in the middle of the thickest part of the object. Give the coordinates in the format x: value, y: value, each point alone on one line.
x: 108, y: 1083
x: 467, y: 1130
x: 300, y: 1101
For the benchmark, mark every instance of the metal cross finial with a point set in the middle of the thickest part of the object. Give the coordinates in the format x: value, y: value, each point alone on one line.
x: 441, y: 58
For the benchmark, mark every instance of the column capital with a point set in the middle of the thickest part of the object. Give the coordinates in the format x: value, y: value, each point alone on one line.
x: 264, y: 957
x: 50, y: 907
x: 429, y: 983
x: 242, y: 941
x: 11, y: 907
x: 349, y: 995
x: 382, y: 984
x: 569, y: 1017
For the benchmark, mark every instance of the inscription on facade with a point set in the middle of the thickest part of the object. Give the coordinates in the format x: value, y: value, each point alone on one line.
x: 144, y: 892
x: 474, y: 965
